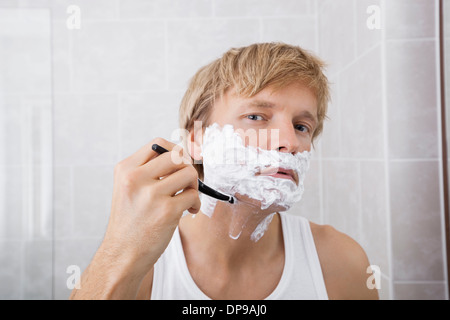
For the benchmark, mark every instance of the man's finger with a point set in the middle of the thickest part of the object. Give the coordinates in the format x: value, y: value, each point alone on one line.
x: 146, y: 153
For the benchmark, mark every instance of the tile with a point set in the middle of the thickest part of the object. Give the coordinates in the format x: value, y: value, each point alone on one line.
x: 12, y: 204
x: 341, y: 196
x: 384, y: 293
x: 301, y: 31
x: 374, y: 218
x: 8, y: 3
x: 92, y: 194
x: 38, y: 212
x: 411, y: 99
x: 25, y: 166
x: 26, y: 208
x: 85, y: 129
x: 61, y: 59
x: 416, y: 220
x: 446, y: 11
x: 62, y: 202
x: 407, y: 19
x: 367, y: 38
x: 142, y: 9
x: 313, y: 5
x: 194, y: 43
x: 71, y: 252
x: 447, y: 86
x: 10, y: 130
x: 89, y: 10
x: 331, y: 134
x: 145, y: 116
x: 111, y: 56
x: 360, y: 101
x: 10, y: 270
x: 261, y: 8
x: 25, y: 58
x: 336, y: 34
x: 35, y: 129
x: 38, y: 273
x: 420, y: 291
x: 35, y: 3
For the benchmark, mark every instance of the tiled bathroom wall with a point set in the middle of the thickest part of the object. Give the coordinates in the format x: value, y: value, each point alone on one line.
x: 381, y: 154
x: 375, y: 174
x: 26, y: 154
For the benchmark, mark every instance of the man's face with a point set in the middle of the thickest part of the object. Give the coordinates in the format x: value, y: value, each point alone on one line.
x: 287, y: 117
x: 290, y: 111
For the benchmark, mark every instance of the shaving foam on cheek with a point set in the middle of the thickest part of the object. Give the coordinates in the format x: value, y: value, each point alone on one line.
x: 233, y: 168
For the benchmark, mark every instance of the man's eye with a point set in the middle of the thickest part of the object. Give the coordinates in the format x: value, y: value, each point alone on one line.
x: 301, y: 128
x: 254, y: 117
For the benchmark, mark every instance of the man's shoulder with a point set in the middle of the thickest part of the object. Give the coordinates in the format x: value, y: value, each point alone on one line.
x: 329, y: 238
x: 344, y: 263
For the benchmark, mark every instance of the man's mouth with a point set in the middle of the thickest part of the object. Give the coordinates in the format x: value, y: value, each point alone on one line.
x: 279, y: 173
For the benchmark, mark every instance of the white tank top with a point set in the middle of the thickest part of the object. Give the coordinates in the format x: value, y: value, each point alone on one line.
x: 301, y: 278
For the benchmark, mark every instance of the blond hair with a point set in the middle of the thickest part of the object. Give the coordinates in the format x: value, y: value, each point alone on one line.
x: 248, y: 70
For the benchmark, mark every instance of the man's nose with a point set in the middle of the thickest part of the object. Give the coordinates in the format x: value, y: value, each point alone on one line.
x: 285, y: 139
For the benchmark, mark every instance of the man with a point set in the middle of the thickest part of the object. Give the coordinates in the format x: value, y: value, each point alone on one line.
x: 151, y: 250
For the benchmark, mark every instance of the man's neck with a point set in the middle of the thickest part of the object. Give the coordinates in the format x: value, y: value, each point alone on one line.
x: 225, y: 237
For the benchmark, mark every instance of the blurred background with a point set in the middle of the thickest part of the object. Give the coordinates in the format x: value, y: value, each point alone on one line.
x: 85, y: 83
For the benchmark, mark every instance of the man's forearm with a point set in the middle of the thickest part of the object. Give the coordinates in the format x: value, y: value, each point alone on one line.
x: 108, y: 276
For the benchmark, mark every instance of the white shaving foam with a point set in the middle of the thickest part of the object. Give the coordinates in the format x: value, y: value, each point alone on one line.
x: 261, y: 228
x: 233, y: 168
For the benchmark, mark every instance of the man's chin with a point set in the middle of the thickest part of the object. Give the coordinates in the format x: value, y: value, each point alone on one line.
x: 245, y: 200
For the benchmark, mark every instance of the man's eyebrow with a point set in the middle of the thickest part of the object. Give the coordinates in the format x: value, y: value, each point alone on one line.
x: 308, y: 115
x: 260, y: 104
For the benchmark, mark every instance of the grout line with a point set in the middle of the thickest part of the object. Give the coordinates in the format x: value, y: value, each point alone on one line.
x: 321, y: 186
x: 192, y: 18
x: 381, y: 159
x: 338, y: 106
x: 119, y: 126
x: 386, y: 150
x: 260, y: 24
x: 70, y: 60
x: 166, y: 53
x: 360, y: 206
x: 372, y: 48
x: 440, y: 133
x: 414, y: 160
x: 412, y: 39
x: 180, y: 91
x: 316, y: 31
x: 356, y: 60
x: 420, y: 282
x: 81, y: 237
x: 213, y: 8
x: 53, y: 233
x: 355, y: 33
x: 117, y: 9
x: 71, y: 200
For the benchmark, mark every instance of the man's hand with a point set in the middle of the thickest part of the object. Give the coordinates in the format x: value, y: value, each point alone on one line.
x: 146, y: 209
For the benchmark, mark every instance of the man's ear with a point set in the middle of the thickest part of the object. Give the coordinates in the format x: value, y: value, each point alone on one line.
x: 194, y: 143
